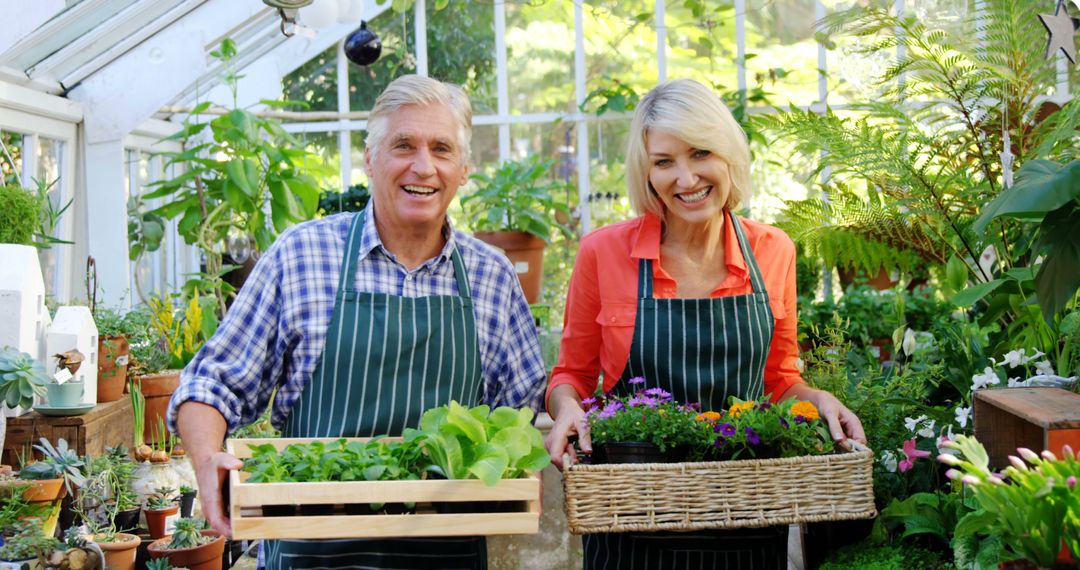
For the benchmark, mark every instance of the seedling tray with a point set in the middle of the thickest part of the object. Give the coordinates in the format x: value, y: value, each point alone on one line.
x: 517, y: 500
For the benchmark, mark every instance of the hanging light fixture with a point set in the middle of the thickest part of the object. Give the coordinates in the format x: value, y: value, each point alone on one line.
x: 363, y: 47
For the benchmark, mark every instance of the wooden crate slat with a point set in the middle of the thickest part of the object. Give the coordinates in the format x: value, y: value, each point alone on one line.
x: 385, y: 526
x: 1036, y: 418
x: 1048, y: 408
x: 383, y: 492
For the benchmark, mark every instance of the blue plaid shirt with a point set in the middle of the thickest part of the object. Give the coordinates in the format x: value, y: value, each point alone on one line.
x: 274, y: 333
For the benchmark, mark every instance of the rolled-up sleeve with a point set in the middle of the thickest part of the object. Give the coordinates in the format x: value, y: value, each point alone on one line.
x: 237, y: 370
x: 579, y: 351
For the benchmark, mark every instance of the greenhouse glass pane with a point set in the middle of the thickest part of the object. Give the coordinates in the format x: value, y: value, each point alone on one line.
x: 549, y: 141
x: 702, y: 45
x: 853, y: 74
x: 485, y: 147
x: 49, y: 155
x: 11, y: 162
x: 461, y: 50
x: 620, y: 45
x: 325, y: 144
x: 540, y: 57
x: 608, y: 202
x: 357, y: 174
x: 142, y: 271
x: 778, y: 174
x: 314, y: 83
x: 397, y: 32
x: 781, y: 52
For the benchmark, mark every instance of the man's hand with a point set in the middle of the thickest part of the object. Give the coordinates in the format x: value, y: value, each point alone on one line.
x: 569, y: 420
x: 213, y: 475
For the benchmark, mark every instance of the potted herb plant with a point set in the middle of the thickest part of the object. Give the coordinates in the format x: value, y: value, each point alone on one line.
x: 514, y: 209
x: 113, y: 349
x: 161, y: 512
x: 190, y: 546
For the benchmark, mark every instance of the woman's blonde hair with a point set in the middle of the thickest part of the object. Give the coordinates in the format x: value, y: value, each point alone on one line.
x: 693, y: 113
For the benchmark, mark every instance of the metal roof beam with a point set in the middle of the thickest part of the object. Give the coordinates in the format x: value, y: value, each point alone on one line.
x: 59, y: 31
x: 174, y: 57
x: 30, y: 17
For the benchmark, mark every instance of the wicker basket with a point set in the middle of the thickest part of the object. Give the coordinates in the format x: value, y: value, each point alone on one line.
x: 719, y: 494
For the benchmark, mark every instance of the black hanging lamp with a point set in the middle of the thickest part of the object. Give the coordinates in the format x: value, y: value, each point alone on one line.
x: 363, y: 47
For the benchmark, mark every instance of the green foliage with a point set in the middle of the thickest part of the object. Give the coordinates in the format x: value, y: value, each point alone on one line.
x: 21, y: 378
x: 240, y: 174
x: 27, y: 542
x: 13, y: 505
x: 516, y: 197
x: 183, y: 334
x: 59, y: 461
x: 649, y: 415
x: 481, y: 443
x: 106, y: 491
x: 1036, y: 509
x: 377, y: 459
x: 868, y: 555
x: 162, y: 499
x: 352, y: 200
x: 18, y: 217
x: 158, y: 564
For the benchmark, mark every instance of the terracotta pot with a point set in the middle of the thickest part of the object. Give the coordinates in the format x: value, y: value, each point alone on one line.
x: 158, y: 521
x: 881, y: 281
x: 203, y: 557
x: 112, y: 367
x: 45, y: 490
x: 120, y: 553
x: 526, y: 252
x: 157, y: 389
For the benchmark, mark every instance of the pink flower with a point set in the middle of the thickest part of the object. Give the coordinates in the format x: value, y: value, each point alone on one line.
x: 912, y: 454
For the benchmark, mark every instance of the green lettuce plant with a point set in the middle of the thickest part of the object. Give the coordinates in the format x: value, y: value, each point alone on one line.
x: 481, y: 443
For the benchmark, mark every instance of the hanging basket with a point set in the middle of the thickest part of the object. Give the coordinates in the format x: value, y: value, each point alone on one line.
x: 719, y: 494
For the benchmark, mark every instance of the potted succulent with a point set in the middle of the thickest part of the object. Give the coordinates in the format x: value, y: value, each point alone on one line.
x: 161, y: 512
x: 76, y: 552
x: 26, y: 547
x: 515, y: 209
x: 187, y: 500
x: 21, y: 378
x: 191, y: 546
x: 113, y: 329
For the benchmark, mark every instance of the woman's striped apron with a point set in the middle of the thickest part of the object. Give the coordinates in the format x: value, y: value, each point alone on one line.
x: 700, y: 350
x: 387, y: 359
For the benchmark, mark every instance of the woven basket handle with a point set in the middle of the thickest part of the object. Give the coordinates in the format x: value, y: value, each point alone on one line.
x: 566, y: 461
x: 856, y: 446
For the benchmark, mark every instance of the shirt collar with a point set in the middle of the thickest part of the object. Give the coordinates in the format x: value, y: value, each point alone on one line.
x: 370, y: 240
x: 646, y: 244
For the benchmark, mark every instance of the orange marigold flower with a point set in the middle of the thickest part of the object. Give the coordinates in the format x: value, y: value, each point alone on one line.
x: 741, y: 407
x: 708, y: 417
x: 806, y: 410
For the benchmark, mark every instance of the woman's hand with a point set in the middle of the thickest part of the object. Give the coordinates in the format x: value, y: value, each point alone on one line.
x: 565, y: 407
x: 843, y: 423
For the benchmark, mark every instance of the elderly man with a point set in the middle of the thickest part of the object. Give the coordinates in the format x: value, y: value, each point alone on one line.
x: 361, y: 322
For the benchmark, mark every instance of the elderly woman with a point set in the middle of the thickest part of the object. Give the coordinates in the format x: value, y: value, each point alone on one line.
x: 695, y: 299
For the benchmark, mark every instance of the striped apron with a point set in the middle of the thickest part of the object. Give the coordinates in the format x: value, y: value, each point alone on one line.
x: 700, y: 350
x: 387, y: 359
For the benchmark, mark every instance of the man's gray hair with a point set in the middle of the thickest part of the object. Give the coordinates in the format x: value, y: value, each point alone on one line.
x: 419, y: 90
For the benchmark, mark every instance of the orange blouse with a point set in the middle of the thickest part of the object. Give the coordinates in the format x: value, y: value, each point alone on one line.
x: 601, y: 306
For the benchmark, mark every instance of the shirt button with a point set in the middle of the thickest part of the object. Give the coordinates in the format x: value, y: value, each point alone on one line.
x: 612, y: 319
x: 408, y: 277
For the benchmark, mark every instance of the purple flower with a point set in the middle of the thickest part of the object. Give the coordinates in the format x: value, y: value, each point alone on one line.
x: 696, y: 406
x: 764, y: 406
x: 638, y: 401
x: 726, y: 430
x: 651, y: 402
x: 637, y: 380
x: 752, y: 437
x: 800, y: 420
x: 658, y: 393
x: 588, y: 402
x: 784, y: 423
x: 718, y: 442
x: 610, y: 409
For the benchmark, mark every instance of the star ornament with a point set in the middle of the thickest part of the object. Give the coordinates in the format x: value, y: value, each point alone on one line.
x: 1062, y: 28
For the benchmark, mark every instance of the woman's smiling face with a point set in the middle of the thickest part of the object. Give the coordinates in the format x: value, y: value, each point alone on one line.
x: 692, y: 183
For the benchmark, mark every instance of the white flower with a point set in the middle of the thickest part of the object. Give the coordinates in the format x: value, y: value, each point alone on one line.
x: 1044, y: 368
x: 927, y: 430
x: 888, y: 460
x: 913, y: 423
x: 944, y: 439
x: 908, y: 344
x: 962, y: 416
x: 987, y: 378
x: 1016, y: 383
x: 1011, y: 359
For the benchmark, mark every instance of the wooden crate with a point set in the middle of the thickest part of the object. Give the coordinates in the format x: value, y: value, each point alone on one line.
x: 1036, y: 418
x: 104, y: 426
x: 248, y: 521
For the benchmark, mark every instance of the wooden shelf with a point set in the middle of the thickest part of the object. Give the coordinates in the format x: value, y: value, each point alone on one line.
x: 104, y: 426
x: 1036, y: 418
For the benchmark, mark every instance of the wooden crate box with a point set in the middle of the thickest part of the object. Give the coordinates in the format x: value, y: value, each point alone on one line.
x: 1036, y: 418
x: 249, y: 521
x: 104, y: 426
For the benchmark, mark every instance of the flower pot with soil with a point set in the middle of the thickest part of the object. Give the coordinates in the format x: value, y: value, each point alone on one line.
x: 162, y: 513
x: 119, y: 548
x: 190, y: 546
